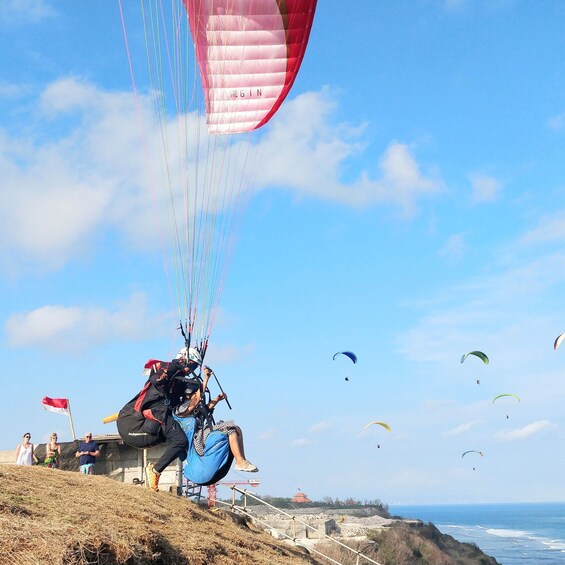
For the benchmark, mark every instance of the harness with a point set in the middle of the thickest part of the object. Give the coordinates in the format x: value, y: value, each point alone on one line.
x: 140, y: 421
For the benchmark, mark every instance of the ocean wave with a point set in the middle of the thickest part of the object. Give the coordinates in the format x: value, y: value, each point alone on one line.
x: 516, y: 534
x: 504, y: 533
x: 553, y: 544
x: 548, y: 543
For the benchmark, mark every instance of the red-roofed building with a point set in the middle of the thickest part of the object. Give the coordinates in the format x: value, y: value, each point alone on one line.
x: 300, y: 497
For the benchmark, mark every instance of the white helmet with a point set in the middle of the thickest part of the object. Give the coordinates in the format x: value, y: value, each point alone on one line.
x: 193, y: 355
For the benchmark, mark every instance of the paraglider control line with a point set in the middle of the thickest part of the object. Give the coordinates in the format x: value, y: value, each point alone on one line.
x: 222, y: 390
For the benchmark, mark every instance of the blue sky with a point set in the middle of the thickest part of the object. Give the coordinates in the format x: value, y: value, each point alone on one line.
x: 409, y: 207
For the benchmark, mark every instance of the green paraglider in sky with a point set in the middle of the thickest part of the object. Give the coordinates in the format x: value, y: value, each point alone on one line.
x: 510, y: 394
x: 478, y: 354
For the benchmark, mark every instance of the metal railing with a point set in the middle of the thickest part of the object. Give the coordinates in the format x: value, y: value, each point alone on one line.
x: 295, y: 520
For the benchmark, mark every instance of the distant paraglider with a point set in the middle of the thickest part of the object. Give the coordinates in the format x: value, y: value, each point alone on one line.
x: 482, y: 356
x: 472, y: 451
x: 349, y: 354
x: 478, y: 354
x: 507, y: 394
x: 511, y: 394
x: 558, y: 341
x: 383, y: 424
x: 376, y: 423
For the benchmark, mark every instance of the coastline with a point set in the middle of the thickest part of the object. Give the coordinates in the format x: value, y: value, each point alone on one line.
x: 513, y: 532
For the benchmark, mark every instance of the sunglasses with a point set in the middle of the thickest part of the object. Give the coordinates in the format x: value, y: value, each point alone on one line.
x: 27, y: 436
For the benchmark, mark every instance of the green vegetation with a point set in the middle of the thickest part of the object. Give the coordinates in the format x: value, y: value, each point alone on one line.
x: 373, y: 506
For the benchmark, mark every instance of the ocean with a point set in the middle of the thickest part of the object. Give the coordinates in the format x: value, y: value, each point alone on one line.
x: 514, y: 534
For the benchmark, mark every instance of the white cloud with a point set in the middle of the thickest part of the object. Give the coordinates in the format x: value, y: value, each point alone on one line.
x: 8, y: 90
x: 59, y: 195
x: 484, y: 310
x: 524, y: 432
x: 300, y: 442
x: 454, y: 248
x: 267, y: 435
x: 316, y: 151
x: 557, y: 122
x: 72, y: 329
x: 549, y: 229
x: 25, y: 11
x: 434, y: 405
x: 462, y: 429
x: 320, y: 427
x: 484, y: 188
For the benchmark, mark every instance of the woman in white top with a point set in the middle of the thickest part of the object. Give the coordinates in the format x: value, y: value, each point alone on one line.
x: 24, y: 452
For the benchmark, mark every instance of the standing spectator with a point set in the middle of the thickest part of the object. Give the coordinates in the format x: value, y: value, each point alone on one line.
x: 24, y: 452
x: 53, y: 453
x: 87, y: 452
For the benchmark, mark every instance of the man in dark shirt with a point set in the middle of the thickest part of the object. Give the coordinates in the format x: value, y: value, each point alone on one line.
x: 87, y: 453
x: 167, y: 392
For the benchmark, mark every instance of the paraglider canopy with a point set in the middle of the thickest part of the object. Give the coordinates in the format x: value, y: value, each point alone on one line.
x: 249, y: 54
x: 240, y: 60
x: 478, y: 354
x: 511, y: 394
x: 558, y: 341
x: 472, y: 451
x: 383, y: 424
x: 349, y: 354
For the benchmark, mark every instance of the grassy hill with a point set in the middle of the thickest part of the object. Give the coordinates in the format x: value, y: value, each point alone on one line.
x: 62, y: 517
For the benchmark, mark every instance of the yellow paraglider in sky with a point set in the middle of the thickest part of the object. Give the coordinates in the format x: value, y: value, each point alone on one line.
x: 376, y: 423
x: 383, y: 424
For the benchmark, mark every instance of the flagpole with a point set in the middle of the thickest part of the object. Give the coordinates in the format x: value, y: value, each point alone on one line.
x: 71, y: 420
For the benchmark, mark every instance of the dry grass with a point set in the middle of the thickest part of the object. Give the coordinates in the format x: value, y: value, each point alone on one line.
x: 62, y: 517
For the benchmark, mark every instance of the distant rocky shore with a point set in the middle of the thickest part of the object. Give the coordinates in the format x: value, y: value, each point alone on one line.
x: 407, y: 541
x: 315, y: 523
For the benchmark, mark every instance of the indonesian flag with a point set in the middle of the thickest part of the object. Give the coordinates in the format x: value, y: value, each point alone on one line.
x: 151, y: 365
x: 59, y: 405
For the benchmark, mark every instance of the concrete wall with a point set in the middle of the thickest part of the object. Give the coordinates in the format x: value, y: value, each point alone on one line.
x: 117, y: 461
x: 320, y: 526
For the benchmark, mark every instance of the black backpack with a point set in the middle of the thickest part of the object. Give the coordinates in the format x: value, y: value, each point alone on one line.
x: 137, y: 427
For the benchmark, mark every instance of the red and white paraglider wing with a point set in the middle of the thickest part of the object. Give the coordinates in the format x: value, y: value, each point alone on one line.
x: 249, y: 53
